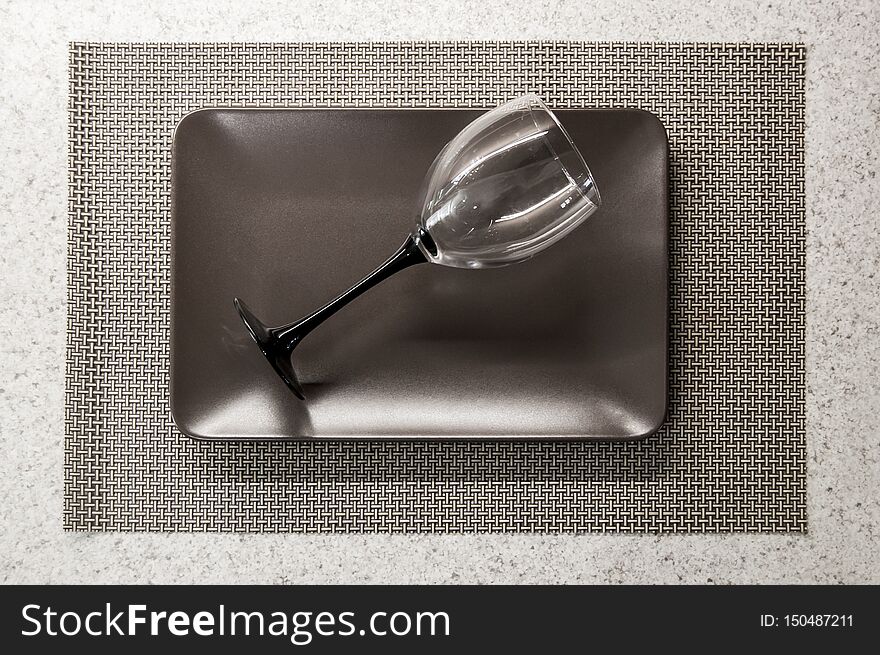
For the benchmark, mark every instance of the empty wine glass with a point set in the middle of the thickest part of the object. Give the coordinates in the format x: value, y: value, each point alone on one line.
x: 509, y: 185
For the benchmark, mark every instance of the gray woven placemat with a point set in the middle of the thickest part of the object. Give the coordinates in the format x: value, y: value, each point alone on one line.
x: 730, y: 459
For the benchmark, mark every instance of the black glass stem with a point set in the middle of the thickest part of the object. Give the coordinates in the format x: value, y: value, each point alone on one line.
x: 277, y: 343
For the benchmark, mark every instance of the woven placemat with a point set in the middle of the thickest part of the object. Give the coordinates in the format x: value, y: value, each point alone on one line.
x: 731, y: 457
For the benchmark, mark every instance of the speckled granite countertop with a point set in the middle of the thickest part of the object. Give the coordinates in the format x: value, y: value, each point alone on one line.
x: 843, y: 302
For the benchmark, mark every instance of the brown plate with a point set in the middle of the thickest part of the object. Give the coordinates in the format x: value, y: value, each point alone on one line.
x: 285, y: 208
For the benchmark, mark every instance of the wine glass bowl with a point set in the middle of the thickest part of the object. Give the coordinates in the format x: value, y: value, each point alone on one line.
x: 508, y: 186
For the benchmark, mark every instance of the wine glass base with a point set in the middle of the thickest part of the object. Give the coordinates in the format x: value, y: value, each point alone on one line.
x: 277, y: 354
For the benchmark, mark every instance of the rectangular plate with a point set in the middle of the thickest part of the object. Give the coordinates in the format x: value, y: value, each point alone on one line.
x: 285, y: 208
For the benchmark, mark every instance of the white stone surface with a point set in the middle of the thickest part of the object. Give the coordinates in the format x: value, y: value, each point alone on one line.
x: 843, y: 338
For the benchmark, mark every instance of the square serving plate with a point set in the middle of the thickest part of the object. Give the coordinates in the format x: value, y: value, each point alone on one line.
x: 285, y: 208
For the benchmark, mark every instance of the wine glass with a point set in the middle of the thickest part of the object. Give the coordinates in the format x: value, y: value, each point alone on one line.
x: 509, y: 185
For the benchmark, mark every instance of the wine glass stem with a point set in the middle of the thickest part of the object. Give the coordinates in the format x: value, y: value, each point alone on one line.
x: 409, y: 254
